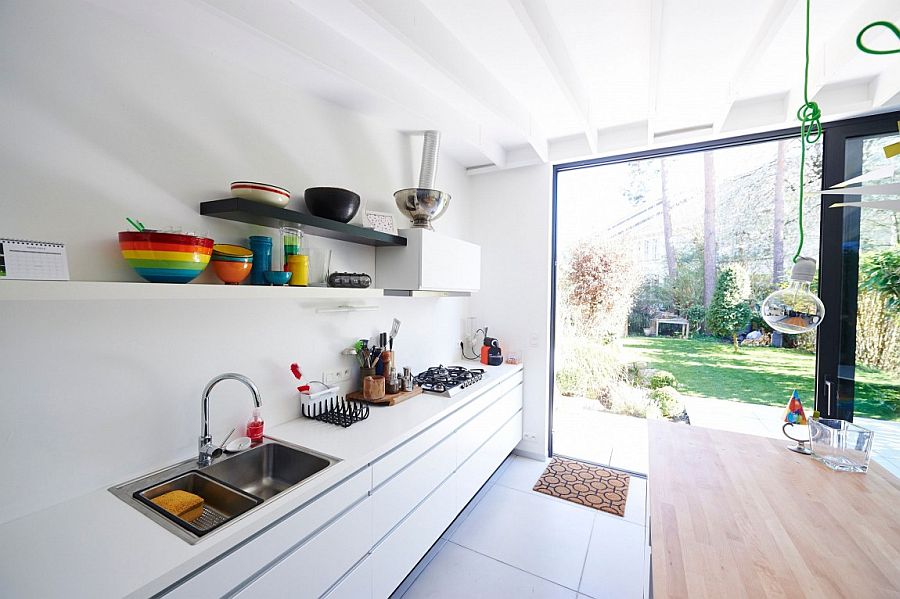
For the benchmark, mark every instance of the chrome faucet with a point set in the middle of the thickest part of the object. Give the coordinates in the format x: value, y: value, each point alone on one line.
x: 207, y: 450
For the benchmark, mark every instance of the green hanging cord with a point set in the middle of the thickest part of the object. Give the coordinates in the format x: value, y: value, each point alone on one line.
x: 810, y: 132
x: 866, y: 49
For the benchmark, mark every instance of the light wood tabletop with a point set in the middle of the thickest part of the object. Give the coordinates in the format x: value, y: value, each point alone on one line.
x: 735, y: 515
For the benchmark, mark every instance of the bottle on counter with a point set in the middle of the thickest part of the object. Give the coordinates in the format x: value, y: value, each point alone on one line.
x: 393, y: 382
x: 255, y: 427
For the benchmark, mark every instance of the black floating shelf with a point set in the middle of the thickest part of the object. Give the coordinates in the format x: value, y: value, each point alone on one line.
x: 246, y: 211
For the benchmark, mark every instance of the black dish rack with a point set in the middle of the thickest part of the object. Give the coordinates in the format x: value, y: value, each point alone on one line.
x: 336, y: 410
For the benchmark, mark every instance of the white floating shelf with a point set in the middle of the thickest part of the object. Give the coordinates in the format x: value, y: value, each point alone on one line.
x: 111, y: 290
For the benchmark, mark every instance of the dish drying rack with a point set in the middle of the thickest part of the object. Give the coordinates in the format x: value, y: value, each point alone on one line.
x: 327, y: 406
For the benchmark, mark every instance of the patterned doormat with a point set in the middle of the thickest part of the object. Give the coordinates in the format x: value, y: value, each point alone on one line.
x: 600, y: 488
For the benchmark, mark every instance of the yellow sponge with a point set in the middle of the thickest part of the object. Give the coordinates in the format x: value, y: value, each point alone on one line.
x: 186, y: 506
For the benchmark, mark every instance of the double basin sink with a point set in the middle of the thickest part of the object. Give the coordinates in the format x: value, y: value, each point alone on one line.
x: 231, y: 486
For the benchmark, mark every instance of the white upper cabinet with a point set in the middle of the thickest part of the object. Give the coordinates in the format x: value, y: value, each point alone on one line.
x: 429, y: 262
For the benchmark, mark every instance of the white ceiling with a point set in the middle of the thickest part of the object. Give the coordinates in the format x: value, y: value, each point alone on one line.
x: 514, y: 82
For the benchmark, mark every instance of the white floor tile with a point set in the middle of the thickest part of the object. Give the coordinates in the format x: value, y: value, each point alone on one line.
x: 522, y: 473
x: 535, y: 533
x: 458, y: 572
x: 614, y: 565
x: 636, y: 503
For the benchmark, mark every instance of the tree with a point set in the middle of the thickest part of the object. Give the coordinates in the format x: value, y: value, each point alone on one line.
x: 600, y: 282
x: 667, y: 220
x: 778, y: 217
x: 729, y: 311
x: 709, y: 227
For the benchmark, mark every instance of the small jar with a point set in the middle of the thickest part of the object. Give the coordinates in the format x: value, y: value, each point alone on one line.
x: 298, y: 265
x: 373, y: 387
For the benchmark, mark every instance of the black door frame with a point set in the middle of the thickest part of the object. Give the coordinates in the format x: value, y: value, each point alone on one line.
x: 839, y: 267
x: 831, y: 225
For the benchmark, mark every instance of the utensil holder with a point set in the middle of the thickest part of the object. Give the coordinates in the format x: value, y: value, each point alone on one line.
x: 363, y: 373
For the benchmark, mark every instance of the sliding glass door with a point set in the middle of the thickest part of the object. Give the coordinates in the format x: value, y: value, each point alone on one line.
x: 858, y: 373
x: 739, y: 195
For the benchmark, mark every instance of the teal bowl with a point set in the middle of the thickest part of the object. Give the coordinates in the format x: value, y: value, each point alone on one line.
x: 278, y: 277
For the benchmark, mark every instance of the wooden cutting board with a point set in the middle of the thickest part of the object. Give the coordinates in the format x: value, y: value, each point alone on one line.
x: 387, y: 400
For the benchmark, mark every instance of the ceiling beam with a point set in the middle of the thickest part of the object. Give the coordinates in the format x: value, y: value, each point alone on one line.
x: 769, y: 28
x: 424, y: 34
x: 538, y: 23
x: 886, y: 87
x: 310, y: 41
x: 828, y: 62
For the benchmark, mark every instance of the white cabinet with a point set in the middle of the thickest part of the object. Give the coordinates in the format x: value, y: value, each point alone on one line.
x: 403, y: 492
x: 231, y: 571
x: 402, y: 549
x: 429, y: 262
x: 360, y: 539
x: 357, y: 584
x: 312, y: 568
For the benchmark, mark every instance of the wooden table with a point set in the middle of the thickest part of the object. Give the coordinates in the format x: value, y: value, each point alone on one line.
x: 735, y: 515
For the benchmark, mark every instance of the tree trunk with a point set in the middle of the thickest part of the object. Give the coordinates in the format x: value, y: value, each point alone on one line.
x: 667, y: 222
x: 735, y: 342
x: 709, y: 228
x: 778, y: 218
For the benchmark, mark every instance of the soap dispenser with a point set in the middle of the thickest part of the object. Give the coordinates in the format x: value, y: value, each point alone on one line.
x: 255, y: 427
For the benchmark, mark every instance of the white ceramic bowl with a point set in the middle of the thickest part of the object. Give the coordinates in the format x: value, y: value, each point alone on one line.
x: 239, y: 444
x: 261, y: 192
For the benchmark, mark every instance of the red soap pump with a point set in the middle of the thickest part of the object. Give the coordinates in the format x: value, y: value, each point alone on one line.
x: 255, y: 427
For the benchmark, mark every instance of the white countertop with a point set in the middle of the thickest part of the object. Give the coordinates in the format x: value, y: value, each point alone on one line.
x: 98, y: 546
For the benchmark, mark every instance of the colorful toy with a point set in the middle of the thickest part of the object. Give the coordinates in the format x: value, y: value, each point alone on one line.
x: 794, y: 415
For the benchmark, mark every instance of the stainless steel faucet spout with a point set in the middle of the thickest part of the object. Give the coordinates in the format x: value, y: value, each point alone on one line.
x: 206, y: 448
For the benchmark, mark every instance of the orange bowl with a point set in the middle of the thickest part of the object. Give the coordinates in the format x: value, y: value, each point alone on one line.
x: 231, y: 273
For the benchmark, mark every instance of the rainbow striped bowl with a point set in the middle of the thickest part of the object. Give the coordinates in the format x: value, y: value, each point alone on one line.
x: 165, y: 257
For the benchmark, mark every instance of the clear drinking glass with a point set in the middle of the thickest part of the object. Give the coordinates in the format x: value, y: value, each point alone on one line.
x: 840, y: 445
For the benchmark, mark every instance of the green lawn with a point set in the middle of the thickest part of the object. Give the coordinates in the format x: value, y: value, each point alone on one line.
x: 761, y: 375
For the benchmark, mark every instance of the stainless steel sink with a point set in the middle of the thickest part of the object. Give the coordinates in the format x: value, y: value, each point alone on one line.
x: 267, y: 470
x: 256, y: 475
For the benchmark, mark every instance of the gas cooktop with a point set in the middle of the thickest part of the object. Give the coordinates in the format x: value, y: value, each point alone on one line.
x: 449, y: 380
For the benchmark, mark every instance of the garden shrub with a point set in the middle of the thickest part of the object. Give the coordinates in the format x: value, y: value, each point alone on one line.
x: 662, y: 378
x: 629, y: 401
x: 589, y: 368
x: 668, y: 400
x: 567, y: 381
x: 729, y: 312
x: 599, y: 281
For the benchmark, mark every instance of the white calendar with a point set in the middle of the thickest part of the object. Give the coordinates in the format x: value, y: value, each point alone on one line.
x: 33, y: 260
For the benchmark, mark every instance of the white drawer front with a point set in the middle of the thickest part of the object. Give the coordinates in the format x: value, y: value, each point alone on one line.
x: 401, y: 550
x: 356, y: 585
x: 480, y: 428
x: 401, y: 494
x: 235, y: 568
x: 473, y: 474
x: 317, y: 564
x: 391, y: 463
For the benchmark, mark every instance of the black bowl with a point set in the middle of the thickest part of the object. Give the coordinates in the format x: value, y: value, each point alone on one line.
x: 332, y: 203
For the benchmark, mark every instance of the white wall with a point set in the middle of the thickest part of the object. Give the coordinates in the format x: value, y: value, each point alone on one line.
x: 512, y: 211
x: 103, y: 120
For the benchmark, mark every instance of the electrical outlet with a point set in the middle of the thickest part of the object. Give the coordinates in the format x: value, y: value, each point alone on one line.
x: 530, y: 437
x: 338, y: 375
